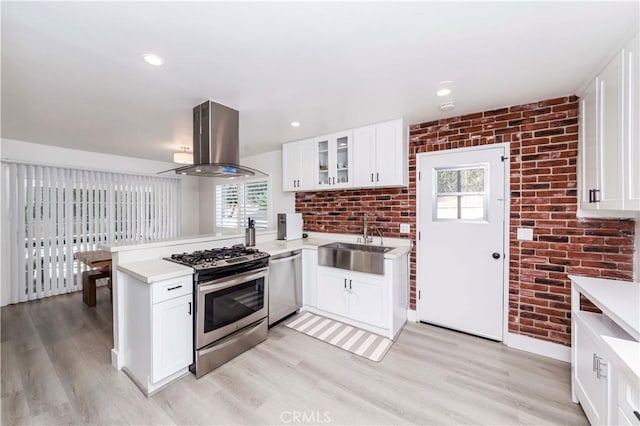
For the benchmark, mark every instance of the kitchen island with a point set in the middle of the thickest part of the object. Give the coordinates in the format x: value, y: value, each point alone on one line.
x: 137, y: 266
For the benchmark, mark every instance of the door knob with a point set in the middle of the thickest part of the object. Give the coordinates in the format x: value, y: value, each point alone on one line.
x: 496, y: 255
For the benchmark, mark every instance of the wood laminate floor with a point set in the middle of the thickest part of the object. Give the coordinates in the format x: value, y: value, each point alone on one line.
x: 56, y: 369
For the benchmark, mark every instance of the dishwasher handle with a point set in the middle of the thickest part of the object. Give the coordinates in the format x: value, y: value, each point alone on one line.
x: 276, y: 260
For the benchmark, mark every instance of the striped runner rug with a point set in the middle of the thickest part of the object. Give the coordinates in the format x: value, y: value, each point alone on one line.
x: 355, y: 340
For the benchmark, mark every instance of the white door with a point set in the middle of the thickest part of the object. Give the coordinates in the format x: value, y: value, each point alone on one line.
x: 365, y: 302
x: 333, y: 292
x: 588, y: 152
x: 307, y: 165
x: 461, y: 246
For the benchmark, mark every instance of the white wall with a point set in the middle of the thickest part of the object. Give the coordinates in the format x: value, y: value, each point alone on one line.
x: 56, y: 156
x: 280, y: 202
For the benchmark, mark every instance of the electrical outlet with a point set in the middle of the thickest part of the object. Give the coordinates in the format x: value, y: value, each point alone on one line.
x: 404, y: 228
x: 525, y: 234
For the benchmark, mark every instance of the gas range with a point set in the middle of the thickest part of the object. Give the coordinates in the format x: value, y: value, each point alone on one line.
x: 231, y: 288
x: 234, y: 257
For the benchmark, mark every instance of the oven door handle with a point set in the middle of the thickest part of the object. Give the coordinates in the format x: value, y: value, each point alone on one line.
x: 226, y: 283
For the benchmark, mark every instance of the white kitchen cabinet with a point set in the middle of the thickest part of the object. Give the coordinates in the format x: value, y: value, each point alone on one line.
x: 377, y: 303
x: 632, y: 128
x: 298, y: 165
x: 333, y: 293
x: 380, y: 155
x: 172, y: 340
x: 610, y: 92
x: 334, y: 154
x: 603, y: 346
x: 370, y: 156
x: 589, y: 154
x: 366, y: 300
x: 590, y: 370
x: 158, y: 319
x: 351, y: 294
x: 609, y: 140
x: 626, y: 400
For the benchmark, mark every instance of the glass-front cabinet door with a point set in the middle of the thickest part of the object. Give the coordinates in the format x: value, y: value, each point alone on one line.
x: 322, y: 166
x: 334, y: 155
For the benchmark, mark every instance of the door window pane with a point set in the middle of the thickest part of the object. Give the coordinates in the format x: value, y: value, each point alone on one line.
x: 460, y: 194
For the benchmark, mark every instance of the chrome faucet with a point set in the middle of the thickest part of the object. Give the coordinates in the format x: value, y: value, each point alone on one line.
x: 365, y: 237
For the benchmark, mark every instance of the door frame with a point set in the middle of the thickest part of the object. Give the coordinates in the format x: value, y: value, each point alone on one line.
x: 506, y: 224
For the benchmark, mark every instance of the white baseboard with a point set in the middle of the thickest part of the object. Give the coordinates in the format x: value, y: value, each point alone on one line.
x: 540, y: 347
x: 412, y: 315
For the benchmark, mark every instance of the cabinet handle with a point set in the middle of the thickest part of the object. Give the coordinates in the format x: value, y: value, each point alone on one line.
x: 334, y: 180
x: 635, y: 413
x: 189, y: 308
x: 349, y: 284
x: 599, y: 374
x: 345, y: 283
x: 595, y: 362
x: 174, y: 288
x: 596, y: 199
x: 371, y: 177
x: 377, y: 177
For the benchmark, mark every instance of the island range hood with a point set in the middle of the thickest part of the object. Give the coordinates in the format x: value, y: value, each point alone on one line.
x: 216, y: 144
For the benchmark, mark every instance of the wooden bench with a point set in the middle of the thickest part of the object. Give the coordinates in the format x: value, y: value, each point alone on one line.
x: 89, y: 279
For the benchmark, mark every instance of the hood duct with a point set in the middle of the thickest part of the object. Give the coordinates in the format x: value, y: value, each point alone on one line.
x: 216, y: 144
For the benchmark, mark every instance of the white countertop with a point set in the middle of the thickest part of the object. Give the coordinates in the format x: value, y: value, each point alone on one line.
x: 625, y: 353
x: 619, y: 300
x: 151, y: 271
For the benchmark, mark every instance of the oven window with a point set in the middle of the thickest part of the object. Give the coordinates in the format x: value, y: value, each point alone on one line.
x: 227, y: 306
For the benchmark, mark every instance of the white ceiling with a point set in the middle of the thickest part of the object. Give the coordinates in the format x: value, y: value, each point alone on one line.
x: 73, y: 74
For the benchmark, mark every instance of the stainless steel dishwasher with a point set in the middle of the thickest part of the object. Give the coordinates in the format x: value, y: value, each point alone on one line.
x: 285, y: 285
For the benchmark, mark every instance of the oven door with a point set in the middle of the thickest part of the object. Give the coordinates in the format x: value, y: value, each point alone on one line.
x: 228, y: 304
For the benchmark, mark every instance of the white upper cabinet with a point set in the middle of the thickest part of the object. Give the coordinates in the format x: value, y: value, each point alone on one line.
x: 611, y: 124
x: 334, y: 161
x: 632, y: 128
x: 380, y: 155
x: 364, y: 142
x: 298, y: 165
x: 588, y: 144
x: 609, y: 139
x: 366, y: 157
x: 391, y: 154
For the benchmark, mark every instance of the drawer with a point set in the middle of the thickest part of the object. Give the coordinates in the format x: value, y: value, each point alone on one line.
x: 169, y: 289
x: 628, y: 400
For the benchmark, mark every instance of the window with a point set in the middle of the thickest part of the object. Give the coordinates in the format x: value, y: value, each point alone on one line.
x: 460, y: 194
x: 237, y: 202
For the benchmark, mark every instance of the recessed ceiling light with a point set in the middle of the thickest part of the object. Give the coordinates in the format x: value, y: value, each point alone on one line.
x: 445, y: 88
x: 295, y: 124
x: 153, y: 59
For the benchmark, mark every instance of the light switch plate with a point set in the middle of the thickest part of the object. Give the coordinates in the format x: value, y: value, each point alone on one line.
x: 525, y: 234
x: 404, y: 228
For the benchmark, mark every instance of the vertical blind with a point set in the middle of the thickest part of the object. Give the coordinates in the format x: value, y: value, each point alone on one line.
x: 236, y: 202
x: 52, y: 212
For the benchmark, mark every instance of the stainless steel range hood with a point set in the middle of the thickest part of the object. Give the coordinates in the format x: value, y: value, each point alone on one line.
x: 216, y: 144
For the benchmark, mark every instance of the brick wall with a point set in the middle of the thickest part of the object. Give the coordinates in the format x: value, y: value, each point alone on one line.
x: 543, y: 138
